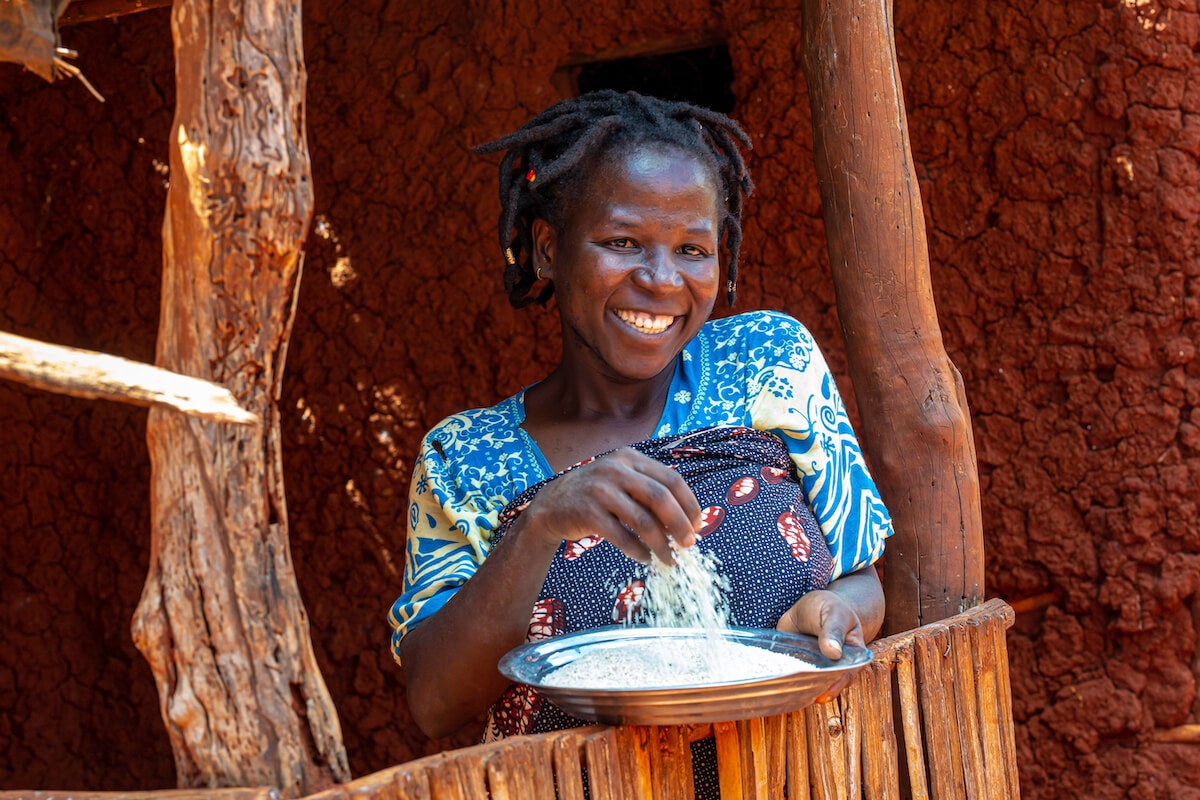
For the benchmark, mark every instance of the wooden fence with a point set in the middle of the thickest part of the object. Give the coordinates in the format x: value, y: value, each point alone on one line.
x: 931, y: 717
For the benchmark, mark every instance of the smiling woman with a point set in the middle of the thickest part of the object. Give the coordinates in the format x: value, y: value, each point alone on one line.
x: 658, y: 428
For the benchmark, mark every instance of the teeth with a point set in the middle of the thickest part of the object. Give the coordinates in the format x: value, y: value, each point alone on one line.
x: 646, y: 323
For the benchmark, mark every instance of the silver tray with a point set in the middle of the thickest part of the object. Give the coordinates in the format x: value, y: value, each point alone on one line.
x: 678, y: 705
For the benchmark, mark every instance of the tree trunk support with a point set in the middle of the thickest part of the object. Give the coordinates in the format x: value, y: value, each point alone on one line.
x: 220, y: 620
x: 915, y: 423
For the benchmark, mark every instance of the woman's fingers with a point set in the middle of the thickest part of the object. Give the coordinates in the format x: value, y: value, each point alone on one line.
x: 637, y: 503
x: 825, y: 615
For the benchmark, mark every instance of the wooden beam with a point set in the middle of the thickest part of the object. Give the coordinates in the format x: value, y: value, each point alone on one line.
x: 81, y: 11
x: 97, y: 376
x: 220, y: 620
x: 915, y: 423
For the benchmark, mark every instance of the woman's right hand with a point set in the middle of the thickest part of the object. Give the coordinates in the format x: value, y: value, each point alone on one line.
x: 638, y: 504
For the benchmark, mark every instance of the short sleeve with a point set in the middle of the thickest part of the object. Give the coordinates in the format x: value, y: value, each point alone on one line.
x: 448, y: 534
x: 793, y: 395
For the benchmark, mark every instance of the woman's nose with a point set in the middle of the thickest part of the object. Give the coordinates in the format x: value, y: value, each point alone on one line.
x: 658, y: 271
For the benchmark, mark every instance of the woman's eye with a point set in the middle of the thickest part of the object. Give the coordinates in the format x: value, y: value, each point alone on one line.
x: 692, y: 250
x: 621, y: 244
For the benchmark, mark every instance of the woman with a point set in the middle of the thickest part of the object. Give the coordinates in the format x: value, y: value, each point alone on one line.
x: 622, y: 208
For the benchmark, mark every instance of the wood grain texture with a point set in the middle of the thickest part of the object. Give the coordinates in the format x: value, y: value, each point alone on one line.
x: 916, y: 428
x: 220, y: 619
x: 99, y: 376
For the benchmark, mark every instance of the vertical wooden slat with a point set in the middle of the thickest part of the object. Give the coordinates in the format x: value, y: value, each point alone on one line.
x: 729, y: 759
x: 882, y: 674
x: 522, y: 771
x: 851, y: 701
x: 984, y: 665
x: 910, y: 705
x: 776, y: 728
x: 827, y: 750
x: 966, y: 702
x: 939, y: 715
x: 631, y: 758
x: 753, y: 754
x: 604, y: 776
x: 880, y: 779
x: 670, y: 762
x: 568, y: 771
x: 798, y: 780
x: 459, y: 778
x: 1004, y: 695
x: 411, y: 785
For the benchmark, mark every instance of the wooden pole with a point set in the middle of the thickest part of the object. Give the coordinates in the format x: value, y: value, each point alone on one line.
x: 220, y: 620
x: 915, y: 424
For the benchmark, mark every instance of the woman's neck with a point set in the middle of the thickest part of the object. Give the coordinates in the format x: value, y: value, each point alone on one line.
x: 572, y: 417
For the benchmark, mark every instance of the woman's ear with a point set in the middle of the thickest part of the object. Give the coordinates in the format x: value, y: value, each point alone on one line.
x: 544, y: 240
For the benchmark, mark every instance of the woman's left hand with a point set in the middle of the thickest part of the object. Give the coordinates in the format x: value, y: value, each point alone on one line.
x: 824, y: 614
x: 848, y: 611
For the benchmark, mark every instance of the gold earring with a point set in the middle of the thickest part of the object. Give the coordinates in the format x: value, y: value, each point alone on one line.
x: 538, y: 273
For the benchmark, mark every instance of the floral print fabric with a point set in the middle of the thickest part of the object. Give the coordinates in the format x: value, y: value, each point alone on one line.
x: 759, y: 370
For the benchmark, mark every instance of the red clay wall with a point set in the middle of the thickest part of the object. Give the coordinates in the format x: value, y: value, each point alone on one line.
x: 1058, y: 155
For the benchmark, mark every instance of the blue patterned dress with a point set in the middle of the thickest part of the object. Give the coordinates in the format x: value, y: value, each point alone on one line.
x: 759, y: 370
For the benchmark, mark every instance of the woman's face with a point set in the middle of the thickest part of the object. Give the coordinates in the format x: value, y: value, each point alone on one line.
x: 635, y: 263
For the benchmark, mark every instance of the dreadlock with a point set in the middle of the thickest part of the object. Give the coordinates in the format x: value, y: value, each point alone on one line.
x: 548, y: 158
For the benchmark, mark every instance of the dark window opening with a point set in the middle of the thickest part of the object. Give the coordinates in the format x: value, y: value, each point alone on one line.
x: 703, y: 76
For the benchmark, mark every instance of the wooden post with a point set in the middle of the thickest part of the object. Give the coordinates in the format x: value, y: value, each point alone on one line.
x: 220, y: 620
x: 915, y: 424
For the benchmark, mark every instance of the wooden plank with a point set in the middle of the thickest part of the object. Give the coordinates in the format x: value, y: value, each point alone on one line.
x: 729, y: 759
x: 879, y: 777
x: 462, y: 776
x: 798, y: 780
x: 568, y: 769
x: 938, y: 713
x: 603, y: 771
x: 752, y: 736
x: 910, y: 705
x: 966, y: 703
x: 99, y: 376
x: 632, y: 760
x: 523, y: 770
x: 1008, y: 737
x: 851, y: 701
x: 411, y: 785
x: 827, y: 750
x: 670, y: 763
x: 776, y: 733
x: 890, y: 757
x: 983, y: 658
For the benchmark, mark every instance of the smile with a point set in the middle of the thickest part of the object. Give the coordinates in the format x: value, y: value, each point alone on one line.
x: 643, y: 322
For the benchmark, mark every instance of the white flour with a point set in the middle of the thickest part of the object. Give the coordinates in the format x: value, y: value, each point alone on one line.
x: 690, y: 594
x: 673, y: 662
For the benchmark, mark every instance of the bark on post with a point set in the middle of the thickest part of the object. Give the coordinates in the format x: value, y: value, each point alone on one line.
x: 915, y: 424
x: 220, y: 620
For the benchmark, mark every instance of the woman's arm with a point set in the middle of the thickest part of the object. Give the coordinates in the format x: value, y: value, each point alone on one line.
x: 449, y: 660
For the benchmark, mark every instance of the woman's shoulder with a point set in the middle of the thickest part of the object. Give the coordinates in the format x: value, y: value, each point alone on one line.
x: 477, y: 432
x: 754, y: 325
x: 762, y: 333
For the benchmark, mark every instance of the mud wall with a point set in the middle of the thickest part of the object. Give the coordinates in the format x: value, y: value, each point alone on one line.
x: 1058, y: 158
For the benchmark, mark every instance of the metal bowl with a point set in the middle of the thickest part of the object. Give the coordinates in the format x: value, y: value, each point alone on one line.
x: 678, y: 705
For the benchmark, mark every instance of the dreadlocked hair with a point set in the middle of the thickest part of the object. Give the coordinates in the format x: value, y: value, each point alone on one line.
x: 547, y: 160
